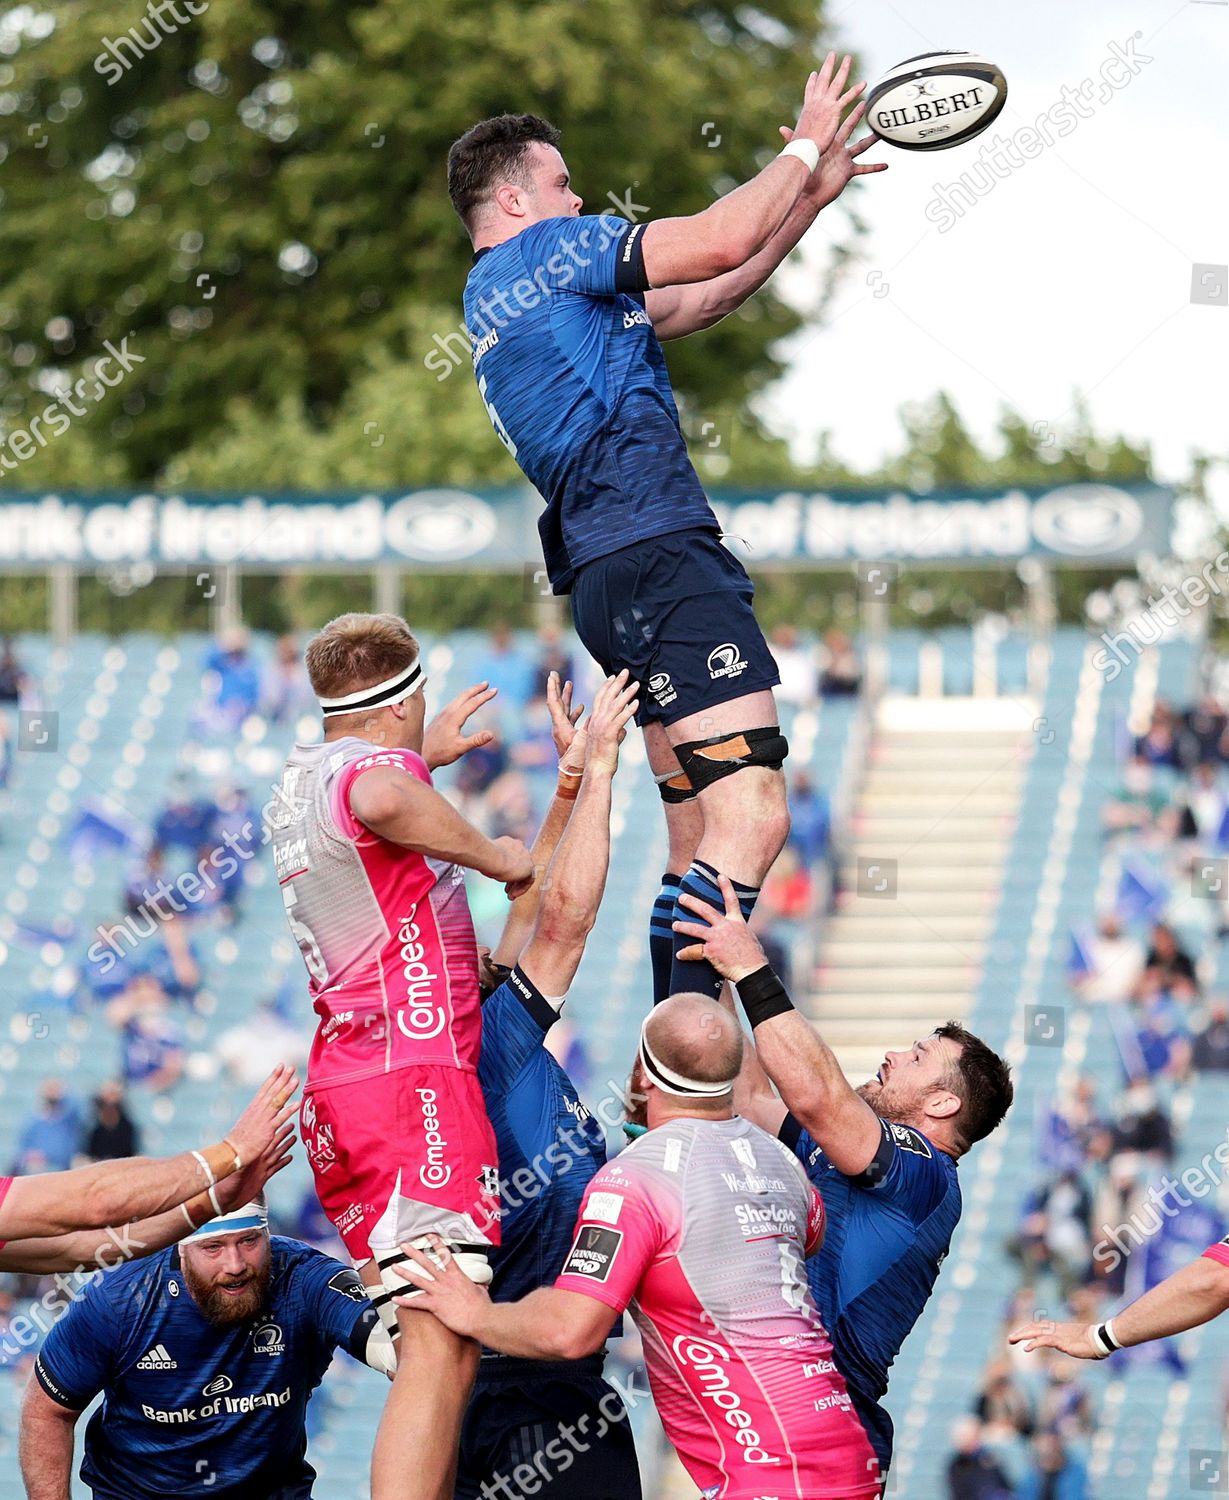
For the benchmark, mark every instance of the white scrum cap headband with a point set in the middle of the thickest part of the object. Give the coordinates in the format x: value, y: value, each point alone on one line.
x: 248, y: 1216
x: 671, y: 1082
x: 393, y: 690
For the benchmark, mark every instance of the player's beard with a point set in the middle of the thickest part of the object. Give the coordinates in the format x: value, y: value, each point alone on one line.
x: 636, y: 1109
x: 220, y: 1309
x: 887, y: 1103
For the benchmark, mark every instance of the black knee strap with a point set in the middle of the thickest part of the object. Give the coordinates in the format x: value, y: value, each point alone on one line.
x: 747, y: 747
x: 675, y: 786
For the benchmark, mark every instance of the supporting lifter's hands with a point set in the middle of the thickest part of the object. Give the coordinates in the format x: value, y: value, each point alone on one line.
x: 725, y: 940
x: 614, y: 707
x: 442, y: 1288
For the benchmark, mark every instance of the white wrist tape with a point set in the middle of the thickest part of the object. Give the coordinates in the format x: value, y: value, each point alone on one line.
x: 805, y: 150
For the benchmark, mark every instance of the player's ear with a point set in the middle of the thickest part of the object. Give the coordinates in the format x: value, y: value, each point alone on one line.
x: 943, y: 1105
x: 511, y: 199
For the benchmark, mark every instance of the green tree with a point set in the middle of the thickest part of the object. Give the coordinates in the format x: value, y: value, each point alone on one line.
x: 258, y: 203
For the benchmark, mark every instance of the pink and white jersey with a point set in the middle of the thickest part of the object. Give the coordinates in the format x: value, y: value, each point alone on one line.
x: 702, y: 1227
x: 385, y: 933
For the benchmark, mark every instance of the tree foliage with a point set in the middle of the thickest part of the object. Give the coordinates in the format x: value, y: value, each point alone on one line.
x: 258, y: 202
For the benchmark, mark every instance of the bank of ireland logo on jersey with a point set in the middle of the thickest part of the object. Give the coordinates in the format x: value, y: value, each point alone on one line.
x: 726, y: 661
x: 662, y: 688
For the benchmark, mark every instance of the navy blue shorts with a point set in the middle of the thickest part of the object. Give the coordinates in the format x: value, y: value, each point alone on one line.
x: 676, y: 612
x: 569, y: 1438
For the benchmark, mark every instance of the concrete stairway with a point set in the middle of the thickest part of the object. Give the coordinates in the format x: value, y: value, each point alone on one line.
x: 923, y: 862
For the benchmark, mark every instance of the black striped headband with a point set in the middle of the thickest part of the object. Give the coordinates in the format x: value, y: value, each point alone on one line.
x: 393, y: 690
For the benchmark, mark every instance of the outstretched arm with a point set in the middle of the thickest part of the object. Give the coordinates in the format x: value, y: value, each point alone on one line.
x: 570, y: 743
x: 1190, y: 1297
x: 737, y: 227
x: 90, y: 1250
x: 803, y: 1067
x: 679, y: 310
x: 139, y: 1187
x: 572, y: 889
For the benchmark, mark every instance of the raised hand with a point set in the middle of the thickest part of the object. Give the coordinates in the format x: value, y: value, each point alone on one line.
x: 563, y: 721
x: 839, y: 164
x: 824, y: 102
x: 444, y: 739
x: 265, y: 1129
x: 613, y: 709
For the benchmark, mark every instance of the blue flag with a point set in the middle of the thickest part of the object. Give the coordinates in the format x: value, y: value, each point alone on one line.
x: 1142, y: 893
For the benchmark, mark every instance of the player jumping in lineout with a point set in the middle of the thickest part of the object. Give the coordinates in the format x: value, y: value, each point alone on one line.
x: 565, y: 313
x: 371, y: 860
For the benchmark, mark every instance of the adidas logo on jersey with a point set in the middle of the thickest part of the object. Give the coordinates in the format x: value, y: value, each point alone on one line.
x: 157, y: 1359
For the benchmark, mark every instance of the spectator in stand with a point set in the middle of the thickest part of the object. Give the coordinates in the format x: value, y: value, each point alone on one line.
x: 552, y: 657
x: 841, y: 672
x: 1054, y: 1233
x: 1117, y: 962
x: 1056, y: 1474
x: 151, y: 1043
x: 1210, y: 1051
x: 235, y: 829
x: 796, y: 663
x: 1168, y: 967
x: 1065, y: 1406
x: 1202, y: 735
x: 184, y: 822
x: 1158, y: 745
x: 1141, y: 1125
x: 231, y: 687
x: 1162, y: 1040
x: 507, y: 669
x: 111, y: 1135
x: 810, y: 820
x: 266, y: 1033
x: 286, y: 693
x: 1138, y: 804
x: 1200, y: 804
x: 974, y: 1473
x: 14, y: 683
x: 1119, y: 1200
x: 51, y: 1137
x: 787, y: 889
x: 1003, y: 1407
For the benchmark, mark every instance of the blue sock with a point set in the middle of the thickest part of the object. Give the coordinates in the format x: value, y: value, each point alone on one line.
x: 697, y: 974
x: 661, y: 936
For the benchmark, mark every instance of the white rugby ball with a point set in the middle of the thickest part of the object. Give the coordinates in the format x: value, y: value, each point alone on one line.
x: 936, y: 100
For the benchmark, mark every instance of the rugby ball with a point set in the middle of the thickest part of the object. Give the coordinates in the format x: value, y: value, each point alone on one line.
x: 936, y: 100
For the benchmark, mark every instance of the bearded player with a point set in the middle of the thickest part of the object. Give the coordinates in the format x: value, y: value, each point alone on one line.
x: 566, y: 313
x: 371, y: 860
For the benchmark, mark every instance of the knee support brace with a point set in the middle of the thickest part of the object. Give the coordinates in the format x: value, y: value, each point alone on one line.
x: 706, y: 761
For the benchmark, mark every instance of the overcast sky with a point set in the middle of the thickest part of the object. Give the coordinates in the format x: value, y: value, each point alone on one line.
x: 1075, y: 271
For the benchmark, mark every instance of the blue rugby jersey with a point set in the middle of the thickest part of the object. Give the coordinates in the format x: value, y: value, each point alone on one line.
x: 550, y: 1147
x: 888, y: 1232
x: 576, y: 386
x: 187, y: 1404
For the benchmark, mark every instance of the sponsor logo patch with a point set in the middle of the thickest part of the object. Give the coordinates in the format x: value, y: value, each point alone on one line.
x: 910, y: 1140
x: 157, y: 1359
x: 726, y: 661
x: 594, y: 1253
x: 604, y: 1206
x: 348, y: 1284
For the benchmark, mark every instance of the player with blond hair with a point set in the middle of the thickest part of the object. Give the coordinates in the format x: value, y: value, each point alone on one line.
x: 371, y: 859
